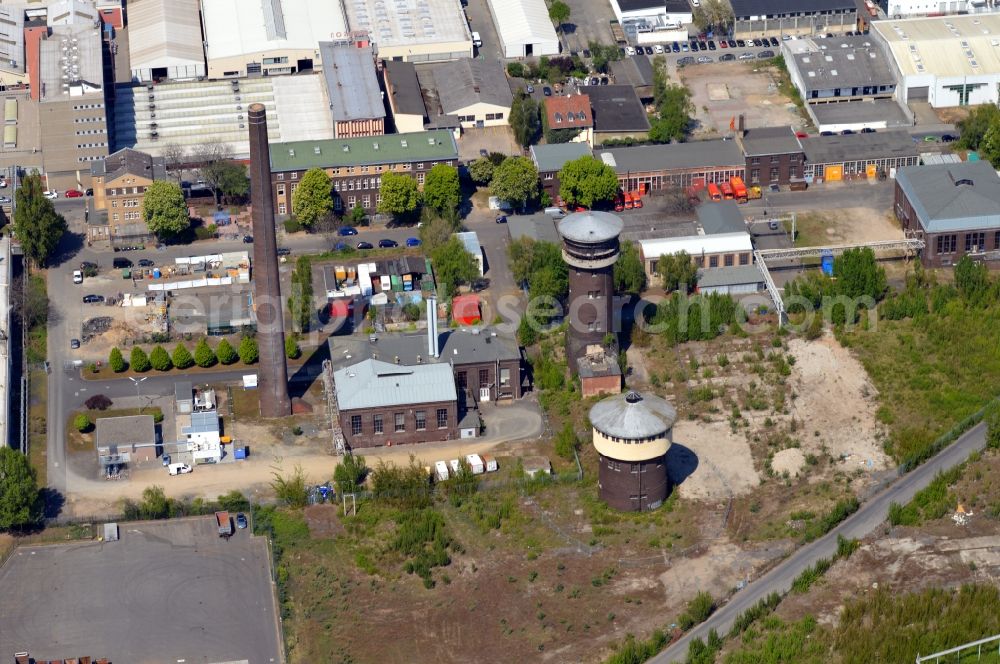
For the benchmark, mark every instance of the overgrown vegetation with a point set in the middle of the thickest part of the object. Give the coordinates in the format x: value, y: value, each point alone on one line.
x: 300, y: 299
x: 932, y: 502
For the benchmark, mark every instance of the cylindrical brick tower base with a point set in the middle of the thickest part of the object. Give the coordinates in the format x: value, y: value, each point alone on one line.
x: 633, y: 486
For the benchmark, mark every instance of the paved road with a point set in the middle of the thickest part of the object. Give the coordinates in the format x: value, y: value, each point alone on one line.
x: 865, y: 520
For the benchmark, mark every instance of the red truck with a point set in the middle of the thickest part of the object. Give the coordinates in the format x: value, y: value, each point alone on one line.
x: 713, y: 192
x: 739, y: 189
x: 636, y: 200
x: 224, y: 523
x: 727, y: 191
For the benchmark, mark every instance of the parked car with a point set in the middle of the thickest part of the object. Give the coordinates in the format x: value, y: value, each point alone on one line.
x: 774, y: 188
x: 248, y: 239
x: 283, y: 251
x: 5, y: 200
x: 146, y: 262
x: 704, y: 59
x: 74, y: 344
x: 605, y: 80
x: 658, y: 49
x: 241, y: 520
x: 594, y: 81
x: 747, y: 56
x: 77, y: 276
x: 365, y: 245
x: 732, y: 43
x: 50, y: 194
x: 723, y: 44
x: 530, y: 89
x: 178, y: 469
x: 931, y: 139
x: 948, y: 138
x: 629, y: 50
x: 386, y: 243
x: 121, y: 263
x: 501, y: 219
x: 702, y: 46
x: 763, y: 55
x: 413, y: 242
x: 685, y: 48
x: 827, y: 133
x: 868, y: 130
x: 727, y: 57
x: 73, y: 193
x: 774, y: 42
x: 773, y: 224
x: 92, y: 299
x: 686, y: 60
x: 547, y: 91
x: 344, y: 231
x: 675, y: 47
x: 89, y: 192
x: 846, y: 132
x: 711, y: 45
x: 741, y: 43
x: 340, y: 246
x: 87, y: 265
x: 649, y: 50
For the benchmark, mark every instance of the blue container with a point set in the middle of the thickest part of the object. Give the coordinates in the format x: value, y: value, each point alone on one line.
x: 156, y: 273
x: 826, y: 263
x: 240, y: 452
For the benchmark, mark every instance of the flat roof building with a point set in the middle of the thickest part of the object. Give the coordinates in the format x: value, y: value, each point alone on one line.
x: 946, y: 60
x: 617, y: 112
x: 165, y: 40
x: 721, y: 239
x: 836, y: 157
x: 524, y: 28
x: 954, y: 208
x: 131, y: 438
x: 801, y: 17
x: 268, y: 37
x: 839, y: 69
x: 352, y: 89
x: 412, y: 30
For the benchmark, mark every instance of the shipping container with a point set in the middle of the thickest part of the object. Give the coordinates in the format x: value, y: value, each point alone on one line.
x: 475, y: 463
x: 440, y: 471
x: 490, y: 464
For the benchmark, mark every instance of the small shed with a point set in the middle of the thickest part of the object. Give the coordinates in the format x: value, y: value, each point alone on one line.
x: 735, y: 280
x: 465, y: 310
x: 184, y: 396
x: 471, y: 242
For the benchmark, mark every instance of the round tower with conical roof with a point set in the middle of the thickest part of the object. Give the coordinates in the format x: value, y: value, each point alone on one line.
x: 632, y: 433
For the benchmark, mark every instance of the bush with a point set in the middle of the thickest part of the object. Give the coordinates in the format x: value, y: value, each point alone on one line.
x: 811, y: 575
x: 567, y: 442
x: 248, y: 351
x: 843, y: 509
x: 182, y: 357
x: 292, y: 226
x: 160, y: 360
x: 515, y: 70
x: 116, y: 361
x: 138, y: 360
x: 226, y: 353
x: 698, y: 610
x: 401, y: 486
x: 204, y: 232
x: 754, y: 613
x: 350, y: 473
x: 291, y: 490
x: 204, y: 356
x: 98, y: 402
x: 82, y: 423
x: 292, y: 350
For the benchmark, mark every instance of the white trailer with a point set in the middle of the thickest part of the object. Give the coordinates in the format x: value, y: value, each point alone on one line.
x: 475, y: 463
x: 441, y: 471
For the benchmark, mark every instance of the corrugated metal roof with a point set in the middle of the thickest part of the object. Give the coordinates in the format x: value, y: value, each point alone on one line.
x: 730, y: 276
x: 633, y: 416
x: 351, y: 83
x: 551, y: 158
x: 206, y: 421
x: 523, y: 22
x: 953, y: 197
x: 376, y: 384
x: 696, y: 245
x: 164, y: 33
x: 471, y: 242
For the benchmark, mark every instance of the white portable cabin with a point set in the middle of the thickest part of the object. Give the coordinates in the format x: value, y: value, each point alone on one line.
x: 475, y: 463
x: 490, y: 464
x: 455, y: 466
x: 441, y: 471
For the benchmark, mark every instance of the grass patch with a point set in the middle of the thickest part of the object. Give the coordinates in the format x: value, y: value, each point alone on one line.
x: 38, y: 441
x: 932, y: 502
x: 246, y: 404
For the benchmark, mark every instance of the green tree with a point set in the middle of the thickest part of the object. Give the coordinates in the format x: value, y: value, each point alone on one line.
x: 540, y: 265
x: 227, y: 178
x: 629, y: 271
x: 559, y: 13
x: 164, y: 209
x: 20, y: 501
x: 453, y: 265
x: 399, y: 194
x: 82, y: 423
x: 527, y: 335
x: 442, y: 191
x: 567, y: 442
x: 858, y: 274
x: 588, y: 182
x: 226, y: 353
x: 248, y: 350
x: 357, y: 215
x: 525, y: 119
x: 350, y: 473
x: 678, y: 272
x: 973, y: 128
x: 160, y: 359
x: 292, y: 350
x: 713, y: 14
x: 182, y: 357
x: 481, y: 170
x: 204, y: 356
x: 116, y: 361
x: 972, y: 280
x: 515, y: 181
x: 36, y: 225
x: 313, y: 198
x: 154, y: 504
x: 138, y: 360
x: 602, y: 55
x: 989, y: 147
x: 436, y: 232
x: 674, y: 109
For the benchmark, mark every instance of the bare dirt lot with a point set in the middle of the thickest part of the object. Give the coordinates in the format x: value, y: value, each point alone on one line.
x: 722, y: 91
x: 845, y: 225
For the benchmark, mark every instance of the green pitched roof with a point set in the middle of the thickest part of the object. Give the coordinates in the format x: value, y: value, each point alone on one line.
x: 387, y: 149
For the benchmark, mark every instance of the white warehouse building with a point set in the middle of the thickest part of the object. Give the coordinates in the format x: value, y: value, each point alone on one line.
x: 946, y: 60
x: 524, y: 28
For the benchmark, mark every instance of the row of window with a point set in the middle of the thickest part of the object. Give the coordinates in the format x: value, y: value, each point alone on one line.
x: 128, y: 202
x: 712, y: 260
x: 91, y: 145
x: 631, y: 441
x: 775, y: 174
x: 89, y: 119
x: 974, y: 242
x: 87, y: 132
x: 378, y: 168
x: 484, y: 378
x: 125, y: 191
x: 129, y: 216
x: 632, y: 467
x: 93, y: 157
x: 84, y: 107
x: 398, y: 422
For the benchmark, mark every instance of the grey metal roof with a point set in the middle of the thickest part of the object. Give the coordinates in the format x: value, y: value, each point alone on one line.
x: 130, y: 162
x: 674, y: 156
x: 538, y: 227
x: 843, y: 62
x: 853, y: 112
x: 953, y: 197
x: 637, y: 72
x: 858, y: 147
x: 617, y: 108
x: 462, y: 83
x: 404, y: 88
x: 183, y: 391
x: 455, y: 346
x: 744, y: 8
x: 633, y: 416
x: 730, y: 276
x: 770, y: 140
x: 590, y: 226
x: 722, y: 217
x: 125, y: 430
x: 377, y: 384
x: 351, y: 82
x: 551, y: 158
x: 203, y: 421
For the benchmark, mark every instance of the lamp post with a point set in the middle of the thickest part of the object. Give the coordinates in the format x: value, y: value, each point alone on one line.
x: 136, y: 382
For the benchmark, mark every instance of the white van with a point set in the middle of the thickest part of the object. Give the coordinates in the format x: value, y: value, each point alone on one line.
x: 555, y: 212
x: 477, y: 41
x: 178, y: 468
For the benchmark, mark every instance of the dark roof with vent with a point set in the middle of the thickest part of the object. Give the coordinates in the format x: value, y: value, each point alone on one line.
x: 953, y: 197
x: 462, y: 83
x: 129, y: 162
x: 633, y: 416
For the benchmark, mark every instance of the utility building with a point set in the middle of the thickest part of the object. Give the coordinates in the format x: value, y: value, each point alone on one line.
x: 524, y: 28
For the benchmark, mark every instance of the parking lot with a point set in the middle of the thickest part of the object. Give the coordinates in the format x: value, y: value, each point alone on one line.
x: 169, y: 591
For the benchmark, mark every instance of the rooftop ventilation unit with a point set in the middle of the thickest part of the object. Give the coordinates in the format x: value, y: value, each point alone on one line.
x: 291, y: 152
x: 316, y: 150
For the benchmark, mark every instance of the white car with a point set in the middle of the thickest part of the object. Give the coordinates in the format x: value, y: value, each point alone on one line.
x: 178, y: 469
x: 747, y: 56
x: 629, y: 50
x: 77, y: 277
x: 658, y: 48
x: 50, y: 194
